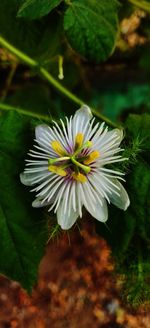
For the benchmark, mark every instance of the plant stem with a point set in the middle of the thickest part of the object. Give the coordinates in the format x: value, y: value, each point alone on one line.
x: 25, y: 58
x: 60, y: 87
x: 44, y: 73
x: 55, y: 231
x: 141, y: 4
x: 7, y: 107
x: 9, y: 81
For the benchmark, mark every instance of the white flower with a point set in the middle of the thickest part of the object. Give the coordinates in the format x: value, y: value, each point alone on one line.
x: 68, y: 168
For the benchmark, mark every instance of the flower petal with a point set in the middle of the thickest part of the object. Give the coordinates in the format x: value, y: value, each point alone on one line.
x: 40, y: 131
x: 80, y: 120
x: 121, y: 201
x: 120, y: 135
x: 100, y: 212
x: 38, y: 203
x: 109, y: 140
x: 83, y: 113
x: 27, y: 178
x: 67, y: 219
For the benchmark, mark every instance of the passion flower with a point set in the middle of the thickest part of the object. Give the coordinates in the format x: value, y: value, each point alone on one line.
x: 68, y: 168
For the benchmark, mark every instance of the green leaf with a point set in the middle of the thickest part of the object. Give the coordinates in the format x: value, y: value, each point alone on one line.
x: 34, y: 38
x: 91, y: 27
x: 32, y: 9
x: 23, y: 231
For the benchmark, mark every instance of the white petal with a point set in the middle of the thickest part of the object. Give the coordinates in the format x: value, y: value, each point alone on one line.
x: 99, y: 212
x: 81, y: 121
x: 118, y: 136
x: 27, y: 178
x: 40, y: 131
x: 84, y: 113
x: 121, y: 201
x: 66, y: 220
x: 38, y: 203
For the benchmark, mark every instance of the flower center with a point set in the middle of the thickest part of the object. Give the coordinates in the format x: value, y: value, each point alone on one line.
x: 77, y: 165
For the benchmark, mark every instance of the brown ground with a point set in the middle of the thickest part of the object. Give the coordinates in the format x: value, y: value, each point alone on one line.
x: 76, y: 289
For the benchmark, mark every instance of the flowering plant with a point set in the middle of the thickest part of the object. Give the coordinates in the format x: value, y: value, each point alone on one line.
x: 68, y: 168
x: 86, y: 54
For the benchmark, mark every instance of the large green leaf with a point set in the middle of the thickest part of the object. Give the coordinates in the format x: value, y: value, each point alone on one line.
x: 35, y: 38
x: 22, y: 229
x: 33, y: 9
x: 91, y: 27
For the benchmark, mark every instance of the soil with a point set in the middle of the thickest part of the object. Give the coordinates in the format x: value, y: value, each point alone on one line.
x: 77, y: 287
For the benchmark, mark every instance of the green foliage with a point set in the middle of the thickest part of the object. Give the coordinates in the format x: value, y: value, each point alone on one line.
x: 121, y: 98
x: 37, y: 100
x: 91, y: 27
x: 139, y: 125
x: 22, y: 229
x: 128, y: 233
x: 32, y: 9
x: 42, y: 37
x: 34, y: 38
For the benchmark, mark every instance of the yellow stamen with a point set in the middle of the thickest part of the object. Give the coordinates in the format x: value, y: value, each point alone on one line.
x: 79, y: 177
x: 57, y: 147
x: 91, y: 157
x: 58, y: 170
x: 79, y: 140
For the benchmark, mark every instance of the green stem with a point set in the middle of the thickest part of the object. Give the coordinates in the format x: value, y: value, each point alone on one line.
x: 59, y: 87
x: 7, y: 107
x: 105, y: 119
x: 26, y: 59
x: 54, y: 232
x: 9, y: 81
x: 44, y: 73
x: 141, y: 4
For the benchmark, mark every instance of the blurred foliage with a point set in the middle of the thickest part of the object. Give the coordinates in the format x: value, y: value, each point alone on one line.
x: 100, y: 50
x: 23, y: 231
x: 128, y: 233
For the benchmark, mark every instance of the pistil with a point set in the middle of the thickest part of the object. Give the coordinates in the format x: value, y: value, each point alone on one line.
x: 85, y: 168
